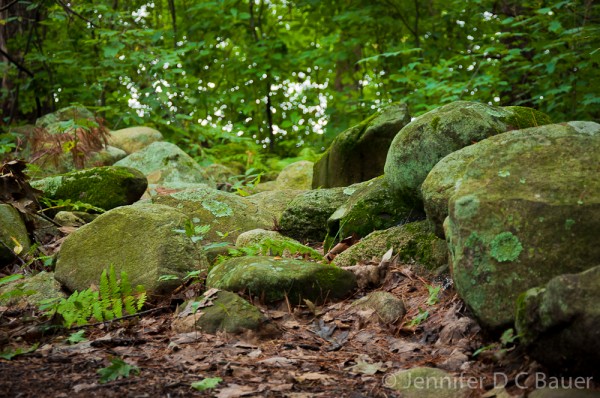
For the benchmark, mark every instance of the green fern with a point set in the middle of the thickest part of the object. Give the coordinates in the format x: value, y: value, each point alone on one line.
x: 273, y: 247
x: 113, y: 300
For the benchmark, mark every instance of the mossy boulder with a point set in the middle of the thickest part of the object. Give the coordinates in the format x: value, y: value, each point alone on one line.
x: 435, y: 134
x: 371, y: 206
x: 134, y: 139
x: 272, y: 243
x: 297, y: 175
x: 163, y: 162
x: 227, y: 214
x: 105, y: 187
x: 30, y: 290
x: 305, y: 218
x: 414, y: 241
x: 445, y: 177
x: 272, y: 279
x: 358, y: 154
x: 11, y: 226
x: 427, y: 382
x: 526, y: 210
x: 274, y: 202
x: 559, y: 323
x: 385, y: 306
x: 140, y: 239
x: 224, y: 312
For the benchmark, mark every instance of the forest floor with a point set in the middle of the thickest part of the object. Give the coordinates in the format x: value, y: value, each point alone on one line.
x: 324, y: 352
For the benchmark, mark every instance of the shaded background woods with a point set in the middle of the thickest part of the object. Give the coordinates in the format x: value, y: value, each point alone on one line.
x: 289, y: 75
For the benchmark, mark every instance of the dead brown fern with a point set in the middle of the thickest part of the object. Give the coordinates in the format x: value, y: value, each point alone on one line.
x: 80, y: 138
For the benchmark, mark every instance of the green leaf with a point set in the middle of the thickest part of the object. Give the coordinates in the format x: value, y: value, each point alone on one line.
x: 10, y: 278
x: 9, y: 353
x: 118, y: 368
x: 206, y: 384
x: 77, y: 337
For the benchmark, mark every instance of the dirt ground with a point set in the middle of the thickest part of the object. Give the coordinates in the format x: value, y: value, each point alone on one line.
x: 328, y: 351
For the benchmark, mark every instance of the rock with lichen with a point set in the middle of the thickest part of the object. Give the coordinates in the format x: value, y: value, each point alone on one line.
x: 227, y: 214
x: 13, y: 234
x: 163, y: 162
x: 526, y: 209
x: 435, y: 134
x: 133, y: 139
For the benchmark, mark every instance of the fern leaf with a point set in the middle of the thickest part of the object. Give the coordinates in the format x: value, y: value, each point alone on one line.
x: 141, y: 299
x: 113, y: 283
x: 97, y: 311
x: 117, y: 306
x: 125, y: 285
x: 129, y: 304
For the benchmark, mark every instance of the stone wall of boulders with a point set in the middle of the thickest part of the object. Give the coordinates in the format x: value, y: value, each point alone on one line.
x: 502, y: 199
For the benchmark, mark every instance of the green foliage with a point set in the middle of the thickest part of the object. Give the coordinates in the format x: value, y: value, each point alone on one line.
x: 273, y: 247
x: 206, y: 384
x: 118, y: 368
x: 228, y: 79
x: 10, y: 353
x: 194, y: 232
x: 113, y: 300
x: 18, y: 291
x: 77, y: 337
x: 434, y: 294
x: 68, y: 205
x: 507, y: 339
x: 420, y: 318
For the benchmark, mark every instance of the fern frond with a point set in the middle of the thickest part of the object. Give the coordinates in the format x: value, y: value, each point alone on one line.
x: 115, y: 291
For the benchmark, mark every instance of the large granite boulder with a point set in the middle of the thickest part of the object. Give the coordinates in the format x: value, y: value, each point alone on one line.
x: 134, y: 139
x: 358, y: 154
x: 105, y: 187
x: 560, y: 322
x: 371, y: 206
x: 430, y: 137
x: 163, y: 162
x: 227, y: 214
x: 446, y: 176
x: 527, y: 209
x: 142, y: 240
x: 272, y: 279
x: 13, y: 233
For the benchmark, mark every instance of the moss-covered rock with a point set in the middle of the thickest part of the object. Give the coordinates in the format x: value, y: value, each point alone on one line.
x: 305, y: 218
x: 298, y: 175
x: 445, y: 177
x: 227, y: 214
x: 358, y: 154
x: 430, y: 137
x: 273, y: 280
x: 527, y: 209
x: 134, y: 139
x: 31, y: 290
x: 274, y: 202
x: 226, y: 312
x: 414, y: 241
x: 105, y: 187
x: 387, y: 307
x: 50, y: 165
x: 272, y: 243
x: 560, y: 322
x: 12, y: 227
x: 164, y: 162
x: 372, y: 206
x: 140, y: 239
x: 427, y: 383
